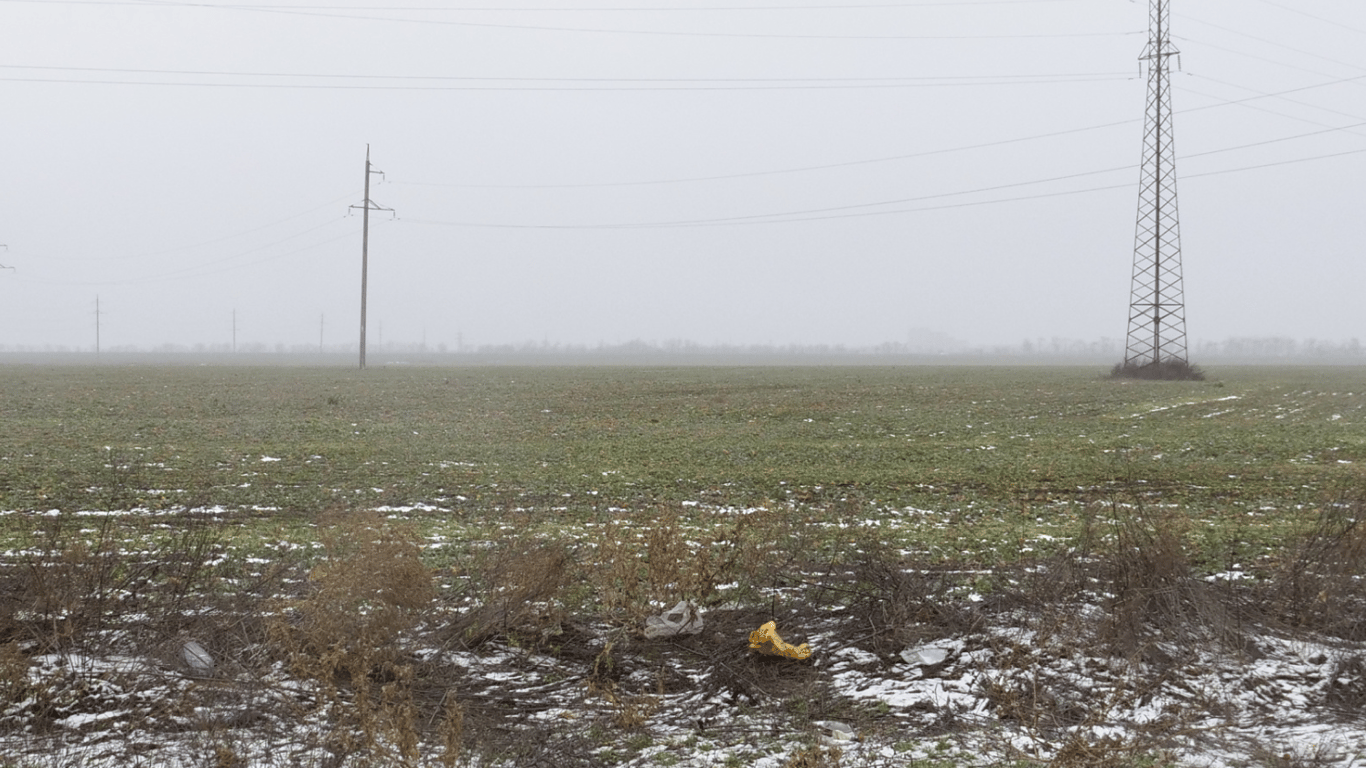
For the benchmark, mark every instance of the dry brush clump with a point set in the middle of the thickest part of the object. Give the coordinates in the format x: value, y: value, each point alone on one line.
x: 1152, y: 593
x: 633, y: 571
x: 77, y: 588
x: 98, y: 618
x: 1321, y: 584
x: 369, y: 588
x: 895, y: 602
x: 519, y: 590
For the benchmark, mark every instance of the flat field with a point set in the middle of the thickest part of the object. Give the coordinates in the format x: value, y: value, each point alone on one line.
x: 394, y: 565
x: 988, y: 451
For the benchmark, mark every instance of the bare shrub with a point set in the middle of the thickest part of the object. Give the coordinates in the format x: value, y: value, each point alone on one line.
x: 77, y: 584
x: 15, y: 684
x: 1083, y: 751
x: 1322, y: 585
x: 369, y: 588
x: 632, y: 574
x: 1152, y: 592
x: 900, y: 602
x: 629, y: 711
x: 521, y: 588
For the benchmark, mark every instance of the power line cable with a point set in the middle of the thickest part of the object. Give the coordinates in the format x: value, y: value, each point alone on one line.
x: 1267, y: 110
x: 1282, y: 97
x: 865, y: 214
x: 603, y: 30
x: 1312, y: 16
x: 1057, y: 194
x: 532, y: 89
x: 1266, y: 41
x: 1064, y: 76
x: 842, y: 211
x: 195, y: 271
x: 780, y: 171
x: 550, y: 9
x: 217, y: 240
x: 869, y: 161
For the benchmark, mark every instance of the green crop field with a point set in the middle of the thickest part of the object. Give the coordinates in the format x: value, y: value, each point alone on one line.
x: 461, y: 566
x: 995, y: 454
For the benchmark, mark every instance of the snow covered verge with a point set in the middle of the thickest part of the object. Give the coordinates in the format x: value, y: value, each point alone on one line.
x: 1006, y: 691
x: 1119, y: 654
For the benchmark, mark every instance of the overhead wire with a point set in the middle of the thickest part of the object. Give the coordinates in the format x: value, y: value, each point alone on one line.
x: 199, y: 270
x: 842, y: 211
x: 806, y: 214
x: 553, y: 9
x: 704, y: 84
x: 1265, y: 41
x: 774, y: 172
x: 1357, y: 81
x: 474, y: 78
x: 1243, y: 102
x: 293, y: 11
x: 866, y: 161
x: 1303, y: 12
x: 221, y: 239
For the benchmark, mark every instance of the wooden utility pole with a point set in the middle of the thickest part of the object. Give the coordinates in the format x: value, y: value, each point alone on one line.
x: 366, y: 206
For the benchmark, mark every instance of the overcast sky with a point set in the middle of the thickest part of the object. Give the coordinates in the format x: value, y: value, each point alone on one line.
x: 723, y: 171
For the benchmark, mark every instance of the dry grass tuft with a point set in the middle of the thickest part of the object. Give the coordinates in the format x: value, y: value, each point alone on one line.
x: 369, y: 589
x: 452, y: 732
x: 630, y: 574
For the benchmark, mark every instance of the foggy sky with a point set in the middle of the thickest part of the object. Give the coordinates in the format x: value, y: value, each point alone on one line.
x: 723, y: 171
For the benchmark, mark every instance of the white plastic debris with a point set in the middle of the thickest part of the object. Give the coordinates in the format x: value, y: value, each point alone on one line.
x: 833, y: 732
x: 925, y: 656
x: 682, y: 620
x: 199, y: 660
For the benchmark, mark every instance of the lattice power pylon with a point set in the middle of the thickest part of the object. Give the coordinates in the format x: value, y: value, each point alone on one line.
x: 1157, y: 304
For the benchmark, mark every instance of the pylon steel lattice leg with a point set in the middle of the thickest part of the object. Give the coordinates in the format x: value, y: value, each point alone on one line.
x: 1157, y: 308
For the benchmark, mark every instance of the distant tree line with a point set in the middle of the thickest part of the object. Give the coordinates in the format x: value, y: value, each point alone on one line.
x: 1273, y: 347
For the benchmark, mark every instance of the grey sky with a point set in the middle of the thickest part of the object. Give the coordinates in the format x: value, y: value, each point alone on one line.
x: 814, y: 169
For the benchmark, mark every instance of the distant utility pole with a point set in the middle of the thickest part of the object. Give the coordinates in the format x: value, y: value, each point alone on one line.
x: 366, y: 206
x: 1157, y: 309
x: 321, y: 320
x: 97, y: 325
x: 234, y: 331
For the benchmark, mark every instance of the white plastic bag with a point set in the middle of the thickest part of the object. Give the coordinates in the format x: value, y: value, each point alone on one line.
x: 199, y: 660
x: 835, y: 733
x: 925, y: 656
x: 682, y: 620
